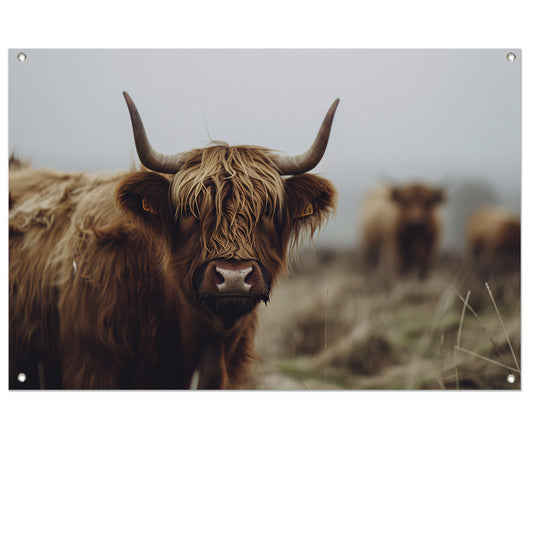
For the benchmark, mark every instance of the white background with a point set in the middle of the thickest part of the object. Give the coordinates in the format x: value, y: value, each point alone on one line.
x: 256, y: 461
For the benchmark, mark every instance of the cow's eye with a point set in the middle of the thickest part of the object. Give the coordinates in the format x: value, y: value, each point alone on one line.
x: 267, y: 211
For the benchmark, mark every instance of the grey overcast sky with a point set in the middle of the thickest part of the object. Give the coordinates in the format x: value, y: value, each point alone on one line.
x: 448, y: 117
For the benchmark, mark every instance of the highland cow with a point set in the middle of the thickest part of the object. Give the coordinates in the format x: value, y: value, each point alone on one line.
x: 152, y: 278
x: 401, y: 228
x: 493, y: 241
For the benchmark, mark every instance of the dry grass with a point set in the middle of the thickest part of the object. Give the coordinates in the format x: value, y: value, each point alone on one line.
x: 331, y: 325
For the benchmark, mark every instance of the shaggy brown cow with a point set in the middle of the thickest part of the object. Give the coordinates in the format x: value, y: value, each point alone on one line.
x: 400, y: 228
x: 151, y: 279
x: 493, y: 241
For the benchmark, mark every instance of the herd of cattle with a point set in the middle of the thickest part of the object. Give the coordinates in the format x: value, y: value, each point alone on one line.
x: 401, y: 231
x: 152, y: 278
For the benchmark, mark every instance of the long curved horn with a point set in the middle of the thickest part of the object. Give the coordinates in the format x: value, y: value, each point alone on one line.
x: 168, y: 164
x: 298, y: 164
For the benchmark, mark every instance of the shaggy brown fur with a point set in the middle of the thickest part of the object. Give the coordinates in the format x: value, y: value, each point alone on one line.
x: 493, y: 241
x: 401, y: 228
x: 102, y: 268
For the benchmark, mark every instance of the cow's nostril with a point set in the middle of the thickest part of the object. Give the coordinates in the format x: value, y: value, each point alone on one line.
x: 248, y: 278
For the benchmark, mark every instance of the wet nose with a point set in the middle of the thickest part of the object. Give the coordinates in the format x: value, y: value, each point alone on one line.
x: 233, y: 280
x: 230, y: 277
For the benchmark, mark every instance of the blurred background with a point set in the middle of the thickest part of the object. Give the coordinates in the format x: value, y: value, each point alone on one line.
x: 445, y: 118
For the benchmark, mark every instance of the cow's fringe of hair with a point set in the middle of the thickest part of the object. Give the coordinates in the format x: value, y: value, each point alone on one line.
x: 206, y: 180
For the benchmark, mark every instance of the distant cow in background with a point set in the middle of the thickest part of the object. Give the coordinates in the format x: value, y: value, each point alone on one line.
x: 401, y: 228
x: 493, y: 241
x: 151, y: 279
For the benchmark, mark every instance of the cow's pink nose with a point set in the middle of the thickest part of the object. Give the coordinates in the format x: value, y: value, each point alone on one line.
x: 234, y: 281
x: 230, y: 277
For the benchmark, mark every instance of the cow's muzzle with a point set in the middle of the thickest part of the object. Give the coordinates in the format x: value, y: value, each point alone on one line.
x: 231, y: 288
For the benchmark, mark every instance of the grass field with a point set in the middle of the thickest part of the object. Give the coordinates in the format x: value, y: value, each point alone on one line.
x: 332, y: 325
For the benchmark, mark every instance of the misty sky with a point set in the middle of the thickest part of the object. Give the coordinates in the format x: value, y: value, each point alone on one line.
x: 448, y: 117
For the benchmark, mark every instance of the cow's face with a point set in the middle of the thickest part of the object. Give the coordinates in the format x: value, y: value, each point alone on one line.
x: 222, y: 224
x: 416, y: 203
x: 226, y: 220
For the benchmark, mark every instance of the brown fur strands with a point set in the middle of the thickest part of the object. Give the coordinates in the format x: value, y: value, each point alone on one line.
x: 207, y: 179
x: 101, y: 267
x: 301, y: 192
x: 240, y: 182
x: 73, y: 278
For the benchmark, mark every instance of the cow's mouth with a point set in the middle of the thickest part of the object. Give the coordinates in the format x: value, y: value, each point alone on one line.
x: 230, y: 307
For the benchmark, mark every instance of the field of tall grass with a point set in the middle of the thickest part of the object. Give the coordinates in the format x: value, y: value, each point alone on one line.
x: 331, y: 324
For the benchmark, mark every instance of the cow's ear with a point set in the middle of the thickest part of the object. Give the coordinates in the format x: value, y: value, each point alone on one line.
x: 145, y: 196
x: 310, y: 201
